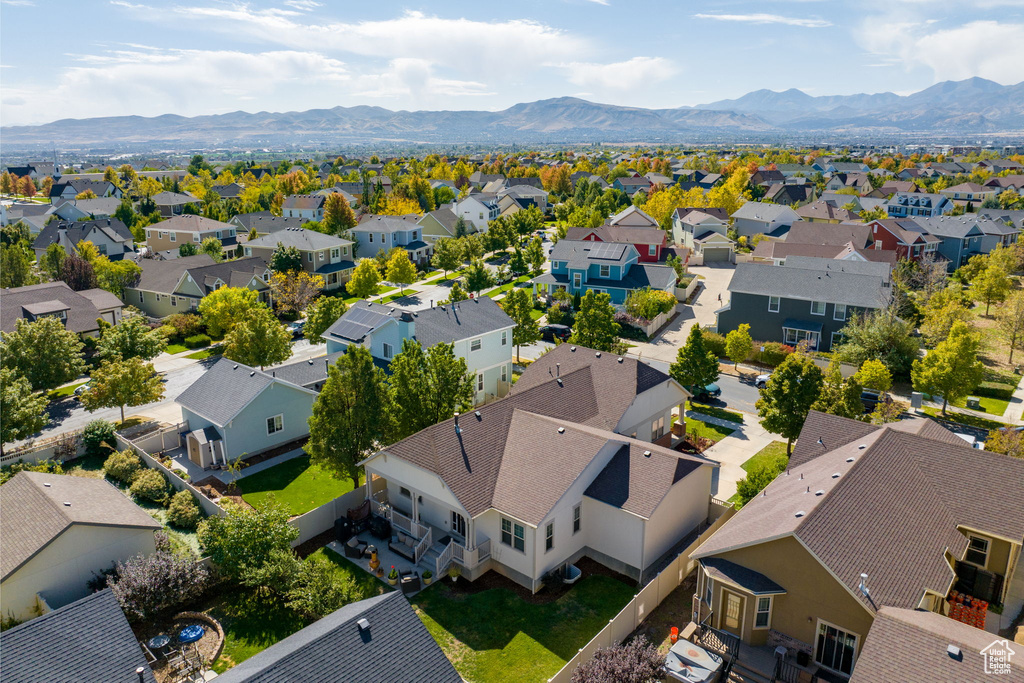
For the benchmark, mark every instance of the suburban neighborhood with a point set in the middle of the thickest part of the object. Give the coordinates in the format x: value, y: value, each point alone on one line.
x: 552, y: 403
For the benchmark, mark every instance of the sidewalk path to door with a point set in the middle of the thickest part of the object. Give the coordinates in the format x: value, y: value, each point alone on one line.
x: 735, y: 449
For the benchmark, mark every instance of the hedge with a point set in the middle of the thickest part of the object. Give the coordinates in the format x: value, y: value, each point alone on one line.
x: 995, y: 390
x: 197, y: 341
x: 714, y: 342
x: 773, y: 355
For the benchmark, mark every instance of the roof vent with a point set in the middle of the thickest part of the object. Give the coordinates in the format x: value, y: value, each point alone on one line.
x: 849, y: 460
x: 820, y: 442
x: 800, y: 513
x: 477, y: 413
x: 598, y: 354
x: 819, y: 492
x: 46, y: 484
x: 620, y: 359
x: 67, y: 503
x: 647, y: 454
x: 954, y: 652
x: 561, y: 430
x: 252, y: 374
x: 573, y: 349
x: 862, y: 447
x: 364, y: 625
x: 310, y: 361
x: 559, y: 380
x: 835, y: 475
x: 234, y: 367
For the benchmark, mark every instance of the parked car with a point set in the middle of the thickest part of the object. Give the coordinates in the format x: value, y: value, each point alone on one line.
x: 297, y: 328
x: 762, y: 380
x: 551, y: 332
x: 870, y: 399
x: 81, y: 390
x: 706, y: 392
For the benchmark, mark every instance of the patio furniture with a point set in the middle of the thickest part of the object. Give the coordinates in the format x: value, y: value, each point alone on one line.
x: 359, y: 516
x: 405, y: 546
x: 158, y: 644
x: 150, y: 657
x: 355, y: 548
x: 380, y: 528
x: 344, y: 529
x: 191, y: 634
x: 410, y: 582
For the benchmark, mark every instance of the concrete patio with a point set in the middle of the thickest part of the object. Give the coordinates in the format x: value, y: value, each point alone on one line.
x: 180, y: 459
x: 389, y: 558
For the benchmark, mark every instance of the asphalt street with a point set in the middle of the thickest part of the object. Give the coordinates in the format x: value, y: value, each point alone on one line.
x: 738, y: 394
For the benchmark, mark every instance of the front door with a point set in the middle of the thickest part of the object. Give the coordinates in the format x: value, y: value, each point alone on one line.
x: 458, y: 524
x: 732, y: 613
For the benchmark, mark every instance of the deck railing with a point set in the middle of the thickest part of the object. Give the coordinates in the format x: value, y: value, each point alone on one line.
x: 423, y: 546
x: 444, y: 559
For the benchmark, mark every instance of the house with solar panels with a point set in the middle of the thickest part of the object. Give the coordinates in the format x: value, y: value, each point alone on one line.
x: 604, y: 267
x: 478, y: 329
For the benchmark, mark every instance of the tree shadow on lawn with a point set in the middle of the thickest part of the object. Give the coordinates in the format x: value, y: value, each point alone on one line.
x: 251, y: 624
x: 490, y: 620
x: 276, y: 478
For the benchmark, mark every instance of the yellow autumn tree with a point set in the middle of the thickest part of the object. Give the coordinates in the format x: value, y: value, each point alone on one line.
x: 295, y: 290
x: 399, y: 206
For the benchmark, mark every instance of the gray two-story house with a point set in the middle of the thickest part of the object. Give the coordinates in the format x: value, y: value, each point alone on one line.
x: 611, y: 268
x: 962, y: 237
x: 383, y: 233
x: 808, y: 299
x: 325, y: 255
x: 110, y: 237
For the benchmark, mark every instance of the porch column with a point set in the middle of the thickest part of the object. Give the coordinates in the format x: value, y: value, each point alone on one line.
x: 470, y: 534
x: 415, y: 507
x: 369, y: 483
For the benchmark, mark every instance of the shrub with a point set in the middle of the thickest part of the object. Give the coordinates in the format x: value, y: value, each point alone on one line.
x: 634, y: 662
x: 649, y: 303
x: 167, y: 332
x: 148, y: 584
x: 773, y: 355
x: 994, y: 390
x: 759, y: 476
x: 320, y: 589
x: 150, y: 485
x: 123, y: 466
x: 47, y: 466
x: 183, y: 510
x: 197, y: 341
x: 714, y: 342
x: 98, y: 438
x: 185, y: 324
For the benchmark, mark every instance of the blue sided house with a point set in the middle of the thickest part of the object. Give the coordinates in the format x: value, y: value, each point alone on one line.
x: 602, y: 267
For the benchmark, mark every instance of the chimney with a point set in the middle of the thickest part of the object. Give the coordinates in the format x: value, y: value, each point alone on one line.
x: 558, y: 369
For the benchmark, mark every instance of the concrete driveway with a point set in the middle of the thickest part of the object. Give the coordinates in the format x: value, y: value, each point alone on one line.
x: 706, y: 301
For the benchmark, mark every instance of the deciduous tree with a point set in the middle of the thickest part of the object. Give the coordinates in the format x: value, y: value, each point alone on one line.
x: 518, y: 305
x: 595, y: 326
x: 873, y: 374
x: 879, y: 335
x: 478, y: 277
x: 839, y: 396
x: 15, y: 266
x: 285, y: 259
x: 320, y: 315
x: 365, y: 279
x: 224, y: 308
x: 952, y: 368
x: 115, y: 276
x: 1008, y: 441
x: 53, y: 260
x: 788, y: 396
x: 131, y: 338
x: 428, y: 386
x: 991, y: 286
x: 695, y: 365
x: 295, y: 290
x: 447, y: 255
x: 258, y: 340
x: 400, y: 269
x: 213, y: 247
x: 24, y: 412
x: 534, y: 255
x: 116, y: 384
x: 1011, y: 321
x: 245, y: 538
x: 43, y: 351
x: 77, y: 273
x: 188, y: 249
x: 738, y: 344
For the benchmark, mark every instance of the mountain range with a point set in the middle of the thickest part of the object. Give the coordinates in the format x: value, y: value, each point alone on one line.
x: 974, y: 105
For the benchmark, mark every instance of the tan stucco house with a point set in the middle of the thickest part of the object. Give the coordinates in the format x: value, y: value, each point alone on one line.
x: 178, y: 285
x: 174, y: 232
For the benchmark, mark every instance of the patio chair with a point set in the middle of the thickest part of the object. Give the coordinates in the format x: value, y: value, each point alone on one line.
x: 355, y: 548
x: 360, y: 516
x: 410, y: 583
x: 150, y: 657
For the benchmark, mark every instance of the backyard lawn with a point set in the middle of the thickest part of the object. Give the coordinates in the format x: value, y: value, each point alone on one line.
x: 295, y: 483
x: 535, y: 314
x: 494, y: 636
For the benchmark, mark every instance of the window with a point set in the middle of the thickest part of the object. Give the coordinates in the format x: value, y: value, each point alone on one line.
x: 512, y: 535
x: 504, y: 338
x: 504, y: 373
x: 387, y: 350
x: 606, y: 271
x: 474, y: 345
x: 335, y: 253
x: 195, y: 237
x: 149, y: 234
x: 577, y: 518
x: 174, y: 301
x: 817, y: 308
x: 218, y: 234
x: 321, y: 255
x: 275, y: 424
x: 248, y: 251
x: 555, y: 265
x: 834, y: 648
x: 371, y: 237
x: 837, y: 338
x: 414, y: 234
x: 709, y: 590
x: 794, y: 337
x: 840, y: 312
x: 402, y: 491
x: 773, y: 304
x: 762, y: 618
x: 141, y: 297
x: 658, y: 428
x: 480, y: 382
x: 549, y: 536
x: 383, y: 238
x: 977, y: 551
x: 174, y: 237
x: 652, y: 249
x: 309, y: 256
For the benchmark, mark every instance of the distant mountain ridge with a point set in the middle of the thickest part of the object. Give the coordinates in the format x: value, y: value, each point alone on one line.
x: 974, y: 105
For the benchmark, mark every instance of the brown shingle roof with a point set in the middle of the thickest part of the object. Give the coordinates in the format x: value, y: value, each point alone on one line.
x: 83, y: 307
x: 191, y: 223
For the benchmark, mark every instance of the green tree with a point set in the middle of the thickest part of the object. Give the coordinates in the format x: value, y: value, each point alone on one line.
x: 447, y: 255
x: 338, y: 215
x: 758, y: 477
x: 991, y: 286
x: 53, y: 261
x: 115, y: 276
x: 43, y: 351
x: 879, y: 335
x: 738, y: 344
x: 456, y: 294
x: 352, y: 416
x: 258, y: 340
x: 188, y: 249
x: 24, y: 412
x: 428, y: 387
x: 365, y: 279
x: 224, y: 308
x: 285, y: 259
x: 213, y: 247
x: 695, y: 365
x: 131, y: 338
x: 595, y: 326
x: 400, y: 270
x: 1011, y: 321
x: 873, y: 374
x: 246, y: 538
x: 478, y: 277
x: 472, y: 247
x: 952, y: 368
x: 320, y: 315
x: 15, y: 266
x: 518, y: 305
x: 1008, y: 441
x: 788, y: 396
x: 939, y: 319
x: 838, y: 396
x: 116, y: 384
x: 517, y: 262
x: 535, y: 256
x: 461, y: 227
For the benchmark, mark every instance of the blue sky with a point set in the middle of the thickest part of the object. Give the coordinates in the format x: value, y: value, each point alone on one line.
x: 72, y: 59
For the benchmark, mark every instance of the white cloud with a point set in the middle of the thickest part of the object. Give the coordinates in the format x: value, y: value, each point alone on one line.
x: 18, y: 3
x: 600, y: 2
x: 952, y: 53
x: 304, y: 5
x: 627, y: 75
x: 763, y: 18
x: 411, y: 76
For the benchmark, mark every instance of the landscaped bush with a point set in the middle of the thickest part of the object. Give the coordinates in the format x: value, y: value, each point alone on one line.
x: 183, y: 510
x: 150, y: 485
x: 148, y: 584
x: 994, y: 390
x: 47, y: 466
x: 649, y: 303
x: 319, y: 589
x: 197, y: 341
x: 561, y: 313
x: 123, y: 466
x: 98, y: 438
x: 773, y: 355
x: 634, y: 662
x: 167, y: 332
x: 185, y: 324
x: 714, y: 342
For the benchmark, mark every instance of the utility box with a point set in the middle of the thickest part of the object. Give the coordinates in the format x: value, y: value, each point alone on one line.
x: 916, y: 400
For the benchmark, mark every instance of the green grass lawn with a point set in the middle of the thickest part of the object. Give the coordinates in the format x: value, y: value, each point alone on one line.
x: 63, y: 392
x: 367, y: 584
x: 536, y: 315
x: 206, y: 353
x: 506, y: 287
x: 773, y: 452
x: 175, y: 348
x: 708, y: 431
x: 965, y: 419
x: 493, y: 636
x: 714, y: 411
x: 295, y: 483
x: 391, y: 297
x: 992, y: 406
x: 251, y: 625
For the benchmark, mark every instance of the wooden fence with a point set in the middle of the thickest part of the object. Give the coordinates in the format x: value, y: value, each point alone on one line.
x: 643, y: 603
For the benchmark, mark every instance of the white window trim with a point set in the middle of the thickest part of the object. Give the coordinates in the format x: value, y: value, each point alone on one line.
x: 778, y: 304
x: 577, y: 518
x: 757, y: 611
x: 549, y: 537
x: 604, y: 271
x: 512, y: 534
x: 504, y: 337
x: 477, y: 343
x: 195, y: 237
x: 279, y: 429
x: 988, y: 550
x: 835, y: 312
x: 814, y: 646
x: 387, y: 350
x: 652, y: 249
x: 174, y: 236
x: 824, y: 307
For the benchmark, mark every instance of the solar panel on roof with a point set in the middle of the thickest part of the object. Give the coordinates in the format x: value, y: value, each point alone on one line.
x: 607, y: 250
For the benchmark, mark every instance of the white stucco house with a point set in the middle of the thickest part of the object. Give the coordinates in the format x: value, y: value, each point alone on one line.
x: 58, y: 532
x: 564, y: 467
x: 478, y: 209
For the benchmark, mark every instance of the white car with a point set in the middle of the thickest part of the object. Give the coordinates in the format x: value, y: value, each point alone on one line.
x: 82, y: 389
x: 761, y: 380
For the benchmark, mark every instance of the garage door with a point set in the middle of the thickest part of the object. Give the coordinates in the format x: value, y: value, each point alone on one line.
x: 719, y: 254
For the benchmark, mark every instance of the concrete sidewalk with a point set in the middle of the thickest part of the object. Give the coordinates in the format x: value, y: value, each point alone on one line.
x: 735, y: 449
x: 1015, y: 411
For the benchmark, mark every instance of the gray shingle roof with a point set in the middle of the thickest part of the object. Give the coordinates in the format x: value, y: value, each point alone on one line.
x: 82, y: 306
x: 639, y: 276
x: 88, y: 640
x: 305, y: 373
x: 192, y: 223
x: 174, y: 199
x: 814, y: 280
x: 883, y: 507
x: 396, y: 647
x: 163, y: 276
x: 223, y: 390
x: 580, y: 254
x: 730, y: 572
x: 35, y: 514
x: 446, y: 324
x: 373, y: 223
x: 764, y: 211
x: 905, y: 643
x: 76, y: 231
x: 959, y: 226
x: 304, y: 240
x: 303, y: 201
